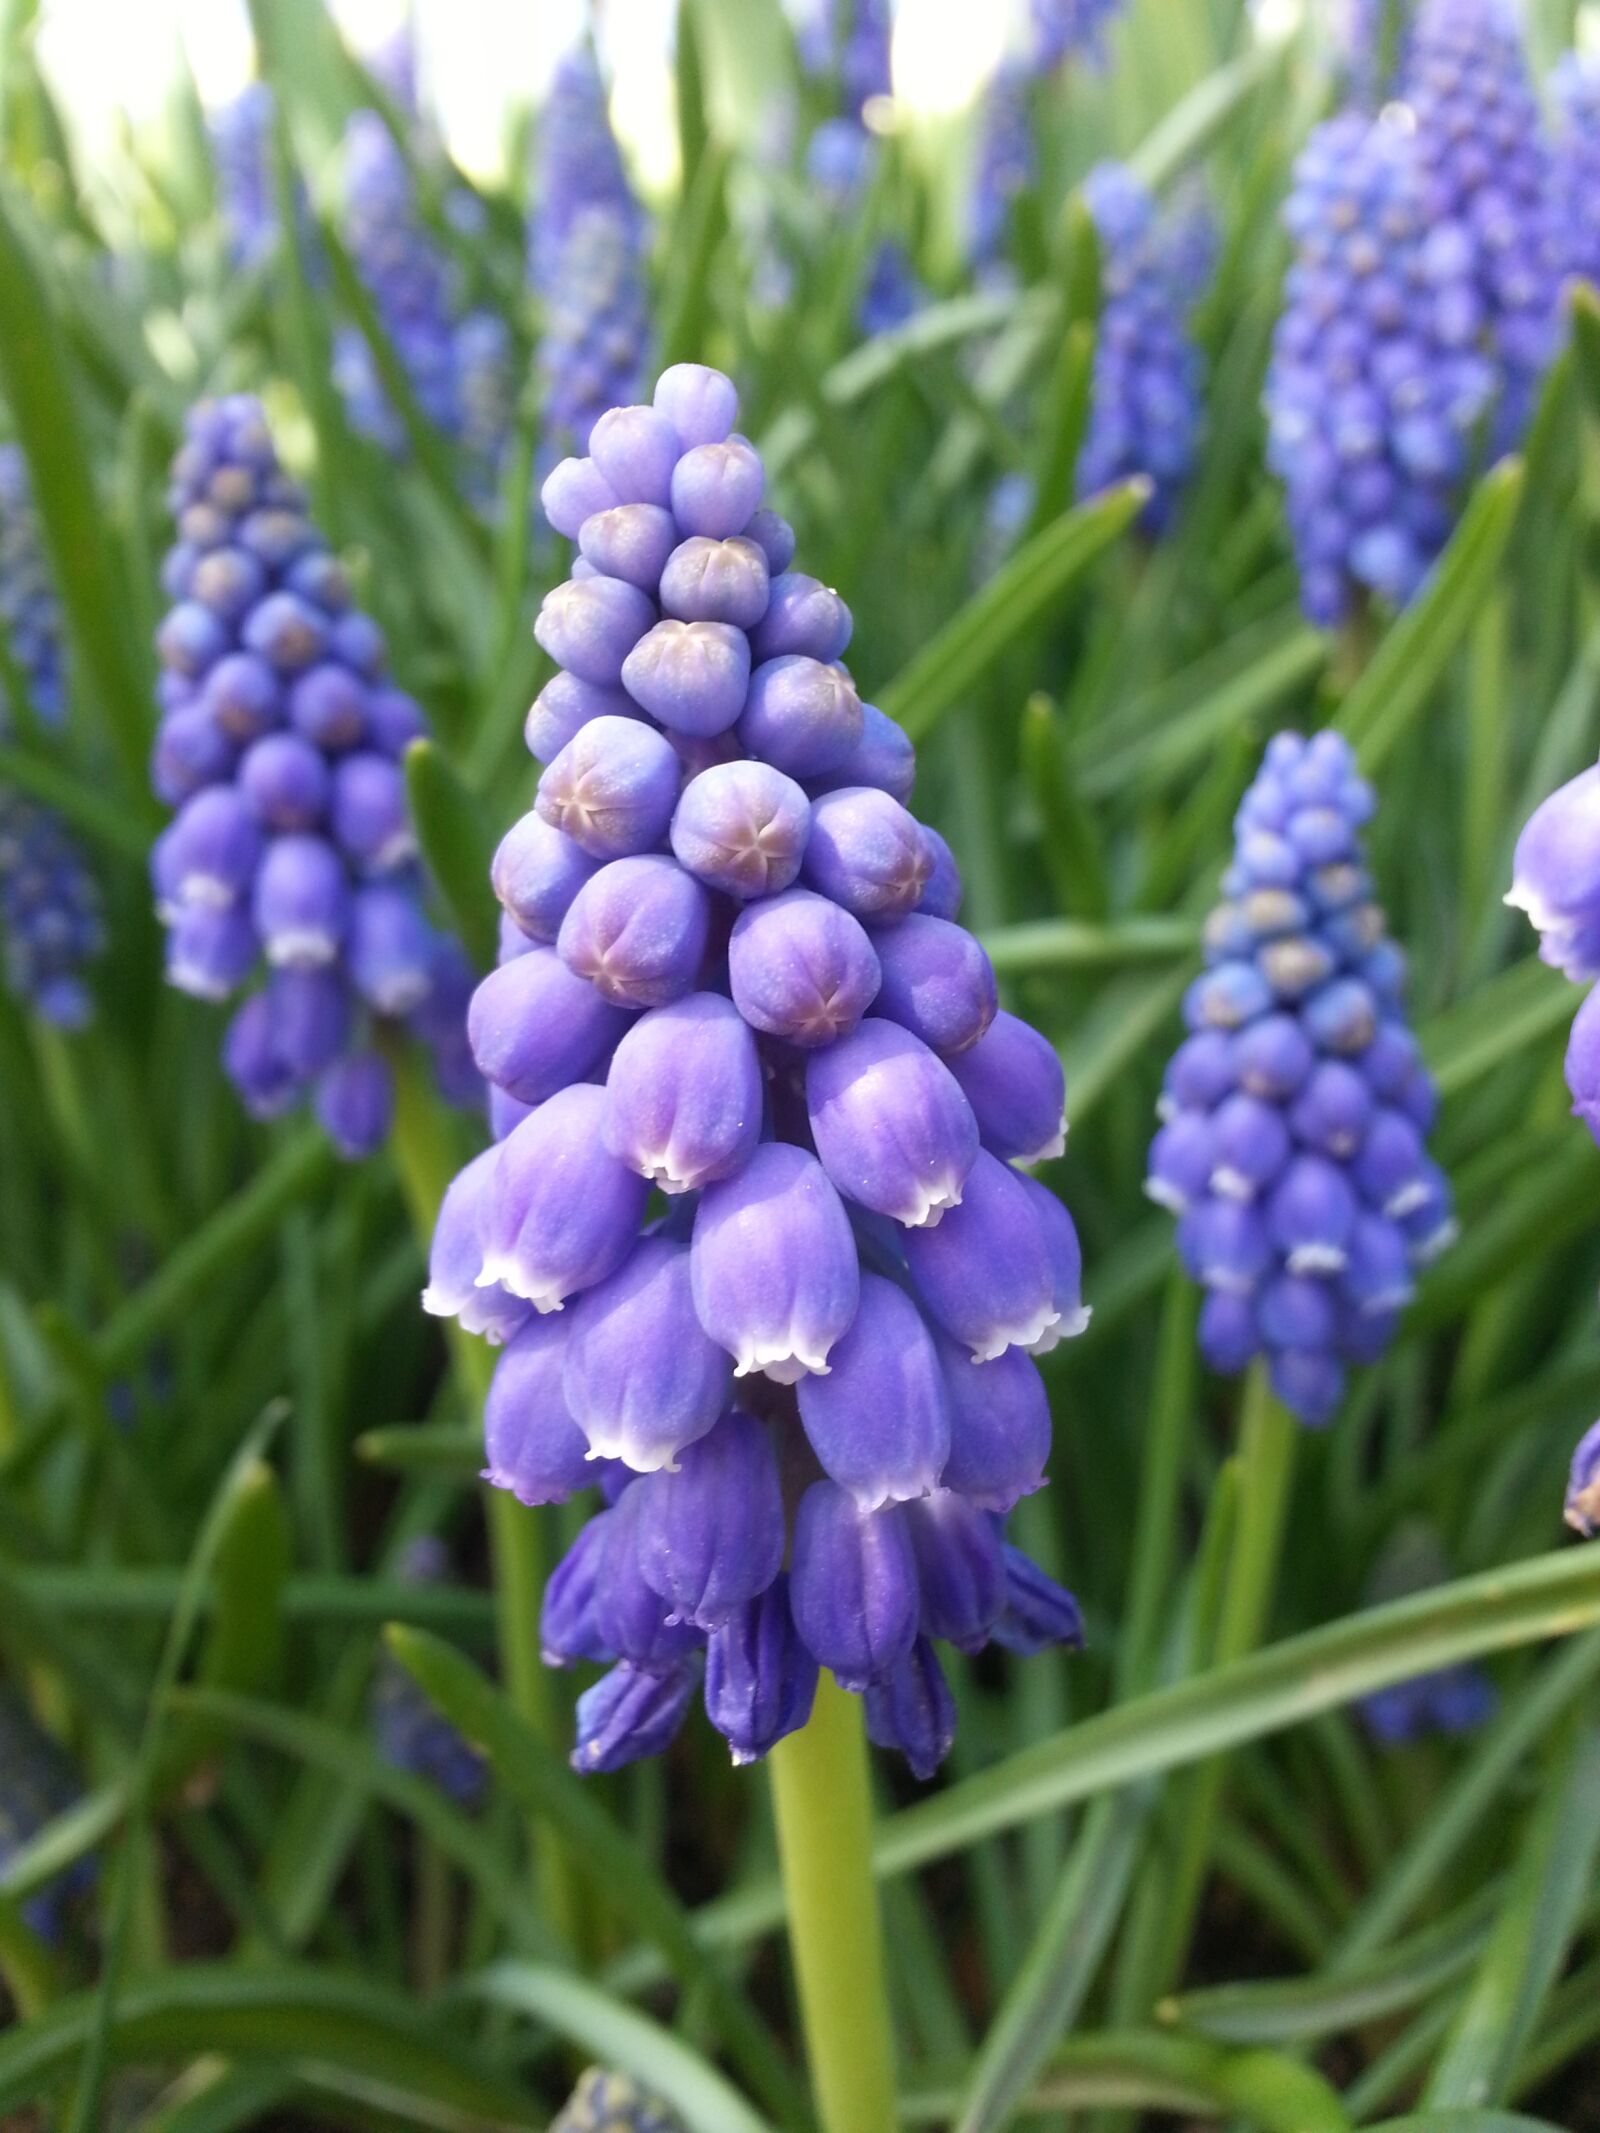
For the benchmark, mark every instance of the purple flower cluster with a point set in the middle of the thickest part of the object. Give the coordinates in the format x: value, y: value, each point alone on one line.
x: 241, y: 150
x: 50, y: 915
x: 1452, y: 1700
x: 1379, y: 377
x: 1575, y: 91
x: 1489, y: 201
x: 407, y: 1728
x: 457, y: 360
x: 587, y: 242
x: 1146, y: 411
x: 605, y: 2102
x: 1555, y: 880
x: 280, y: 747
x: 1294, y: 1115
x: 37, y: 1784
x: 848, y: 40
x: 735, y: 976
x: 1070, y: 29
x: 1005, y: 164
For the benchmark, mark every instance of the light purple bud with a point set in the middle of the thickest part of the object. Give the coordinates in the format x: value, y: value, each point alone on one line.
x: 355, y: 1104
x: 391, y: 947
x: 310, y: 1011
x: 760, y: 1679
x: 1199, y: 1074
x: 711, y: 1533
x: 959, y: 1569
x: 867, y: 853
x: 692, y: 676
x: 1224, y: 1244
x: 1250, y: 1145
x: 536, y: 872
x: 801, y: 716
x: 1038, y: 1612
x: 613, y: 788
x: 877, y: 1419
x: 394, y: 721
x: 569, y: 1617
x: 942, y: 897
x: 210, y: 951
x: 302, y: 901
x: 562, y: 1212
x: 633, y: 541
x: 636, y: 449
x: 534, y: 1027
x: 190, y: 751
x: 328, y: 706
x: 683, y: 1094
x: 1377, y: 1272
x: 999, y: 1426
x: 741, y: 827
x: 1309, y: 1382
x: 265, y: 1085
x: 564, y: 706
x: 456, y: 1259
x: 244, y: 696
x: 1226, y: 997
x: 286, y: 781
x: 1342, y: 1017
x: 884, y: 759
x: 1227, y: 1332
x: 805, y: 618
x: 1582, y: 1509
x: 1390, y: 1171
x: 937, y: 982
x: 853, y: 1586
x: 801, y: 968
x: 1013, y: 1080
x: 1583, y: 1063
x: 642, y: 1378
x: 369, y: 813
x: 985, y: 1273
x: 631, y: 1617
x: 1311, y: 1214
x: 1296, y: 1311
x: 700, y: 403
x: 573, y: 491
x: 890, y: 1122
x: 637, y: 930
x: 774, y: 1265
x: 774, y: 536
x: 1334, y: 1109
x: 1272, y: 1058
x: 212, y: 850
x: 1555, y: 873
x: 716, y: 488
x: 1066, y: 1268
x: 715, y: 581
x: 590, y: 625
x: 191, y: 639
x: 911, y: 1709
x: 629, y: 1714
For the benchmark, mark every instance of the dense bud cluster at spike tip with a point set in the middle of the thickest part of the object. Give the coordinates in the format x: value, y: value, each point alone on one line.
x: 37, y: 1786
x: 1146, y: 409
x: 1489, y: 200
x: 409, y: 1732
x: 457, y: 360
x: 607, y: 2102
x: 807, y: 1390
x: 280, y: 747
x: 50, y: 913
x: 587, y: 240
x: 1295, y: 1115
x: 1379, y: 380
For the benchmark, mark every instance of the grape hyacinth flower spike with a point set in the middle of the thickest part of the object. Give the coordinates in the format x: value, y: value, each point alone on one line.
x: 1295, y: 1114
x: 587, y: 243
x: 280, y: 748
x: 37, y: 1785
x: 608, y: 2102
x: 51, y: 923
x: 734, y: 974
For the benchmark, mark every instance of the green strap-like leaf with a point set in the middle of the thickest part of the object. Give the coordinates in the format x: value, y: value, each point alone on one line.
x: 455, y: 843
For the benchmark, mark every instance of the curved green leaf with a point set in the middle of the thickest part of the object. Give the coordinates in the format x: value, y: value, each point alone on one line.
x: 456, y: 844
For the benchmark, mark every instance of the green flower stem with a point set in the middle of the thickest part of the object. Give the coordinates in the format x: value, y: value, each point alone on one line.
x: 426, y: 1163
x: 824, y: 1810
x: 1265, y: 1468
